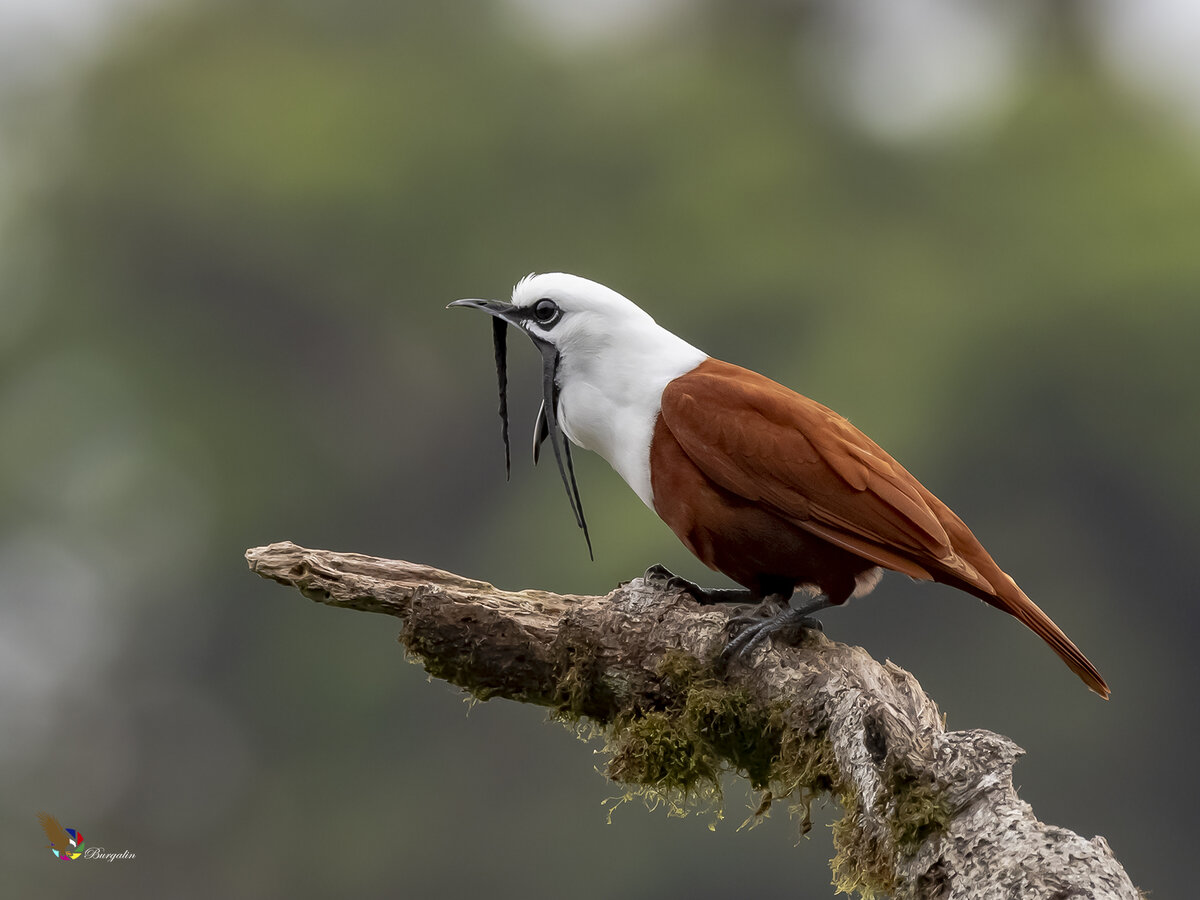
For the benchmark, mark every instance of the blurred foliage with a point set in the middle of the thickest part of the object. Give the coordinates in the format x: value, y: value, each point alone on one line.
x: 224, y: 274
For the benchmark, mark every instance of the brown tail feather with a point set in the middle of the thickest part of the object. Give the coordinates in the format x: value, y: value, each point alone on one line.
x: 1013, y: 601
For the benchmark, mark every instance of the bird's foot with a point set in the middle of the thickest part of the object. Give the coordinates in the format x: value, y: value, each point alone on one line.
x: 704, y: 596
x: 753, y: 631
x: 659, y: 572
x: 751, y: 614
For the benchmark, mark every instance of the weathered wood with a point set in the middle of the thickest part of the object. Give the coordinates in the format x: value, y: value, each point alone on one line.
x: 928, y: 813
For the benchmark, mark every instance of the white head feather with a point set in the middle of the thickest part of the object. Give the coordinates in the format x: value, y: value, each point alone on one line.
x: 614, y: 361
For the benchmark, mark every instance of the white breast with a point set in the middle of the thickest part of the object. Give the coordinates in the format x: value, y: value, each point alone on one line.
x: 610, y: 396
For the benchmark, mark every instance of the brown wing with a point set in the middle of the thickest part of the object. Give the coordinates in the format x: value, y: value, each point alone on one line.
x: 770, y: 445
x: 55, y: 833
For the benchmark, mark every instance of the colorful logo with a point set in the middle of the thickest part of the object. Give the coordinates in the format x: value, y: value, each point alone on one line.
x: 65, y: 843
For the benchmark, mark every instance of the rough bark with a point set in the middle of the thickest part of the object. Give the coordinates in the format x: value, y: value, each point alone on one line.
x: 928, y: 813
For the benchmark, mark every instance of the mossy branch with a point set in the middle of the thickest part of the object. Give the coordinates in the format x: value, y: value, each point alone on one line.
x: 927, y: 813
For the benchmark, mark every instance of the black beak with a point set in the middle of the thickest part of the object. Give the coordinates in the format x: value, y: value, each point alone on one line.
x: 498, y: 308
x: 504, y: 314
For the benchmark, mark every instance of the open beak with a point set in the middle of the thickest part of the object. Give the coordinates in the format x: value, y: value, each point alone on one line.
x: 501, y: 309
x: 504, y: 314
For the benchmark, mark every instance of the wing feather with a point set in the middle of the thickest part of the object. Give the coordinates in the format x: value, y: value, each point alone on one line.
x: 770, y: 445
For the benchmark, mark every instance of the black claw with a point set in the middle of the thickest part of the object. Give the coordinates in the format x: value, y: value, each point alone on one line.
x: 787, y: 623
x: 658, y: 572
x: 743, y: 645
x: 671, y: 581
x: 756, y: 615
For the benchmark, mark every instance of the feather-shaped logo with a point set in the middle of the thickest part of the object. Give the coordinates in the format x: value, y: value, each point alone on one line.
x: 65, y: 843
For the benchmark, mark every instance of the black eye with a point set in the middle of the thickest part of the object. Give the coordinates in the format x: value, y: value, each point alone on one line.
x: 545, y: 311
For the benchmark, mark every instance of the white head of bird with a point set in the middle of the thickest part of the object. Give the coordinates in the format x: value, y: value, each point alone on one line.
x: 609, y: 360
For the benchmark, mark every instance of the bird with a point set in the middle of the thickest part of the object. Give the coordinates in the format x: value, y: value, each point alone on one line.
x: 60, y: 840
x: 772, y: 489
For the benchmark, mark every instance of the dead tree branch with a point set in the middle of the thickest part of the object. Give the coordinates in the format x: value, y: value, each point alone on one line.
x: 928, y: 813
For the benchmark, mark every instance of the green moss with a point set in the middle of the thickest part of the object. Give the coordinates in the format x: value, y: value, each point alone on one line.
x: 586, y: 687
x: 858, y: 866
x: 681, y: 669
x: 665, y: 756
x: 914, y: 809
x: 654, y: 751
x: 920, y: 811
x: 575, y: 691
x: 734, y: 730
x: 449, y: 667
x: 672, y: 749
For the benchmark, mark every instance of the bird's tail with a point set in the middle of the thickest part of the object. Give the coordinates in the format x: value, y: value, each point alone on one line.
x: 1006, y: 595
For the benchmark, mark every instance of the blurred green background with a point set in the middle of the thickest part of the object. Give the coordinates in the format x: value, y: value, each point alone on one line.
x: 227, y: 235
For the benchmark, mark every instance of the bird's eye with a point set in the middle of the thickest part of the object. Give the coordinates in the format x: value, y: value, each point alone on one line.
x: 545, y: 311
